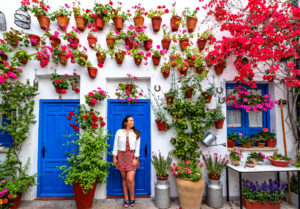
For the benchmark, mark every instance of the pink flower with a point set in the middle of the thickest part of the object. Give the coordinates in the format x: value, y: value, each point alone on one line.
x: 127, y: 93
x: 94, y: 101
x: 158, y: 46
x: 129, y: 99
x: 12, y: 74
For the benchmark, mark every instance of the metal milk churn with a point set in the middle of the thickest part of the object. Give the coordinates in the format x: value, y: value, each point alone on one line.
x: 214, y: 193
x: 162, y: 193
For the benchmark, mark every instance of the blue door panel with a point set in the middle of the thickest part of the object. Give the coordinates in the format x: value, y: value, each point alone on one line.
x: 141, y: 114
x: 54, y: 129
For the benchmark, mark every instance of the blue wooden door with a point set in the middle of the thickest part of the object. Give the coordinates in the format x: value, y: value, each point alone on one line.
x: 54, y: 128
x: 141, y: 114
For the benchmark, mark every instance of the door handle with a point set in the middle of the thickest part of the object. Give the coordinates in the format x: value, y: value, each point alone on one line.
x: 146, y: 150
x: 43, y: 151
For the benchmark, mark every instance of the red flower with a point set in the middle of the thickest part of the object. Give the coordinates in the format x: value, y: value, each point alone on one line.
x: 57, y: 81
x: 105, y: 11
x: 166, y: 11
x: 69, y: 117
x: 72, y: 124
x: 77, y: 90
x: 10, y: 196
x: 100, y: 118
x: 94, y: 118
x: 94, y: 125
x: 100, y: 65
x: 265, y: 129
x: 87, y: 10
x: 159, y: 7
x: 102, y: 123
x: 111, y: 3
x: 76, y: 128
x: 85, y: 116
x: 5, y: 201
x: 71, y: 113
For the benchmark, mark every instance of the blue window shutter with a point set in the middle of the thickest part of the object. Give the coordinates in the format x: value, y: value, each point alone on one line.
x: 5, y: 138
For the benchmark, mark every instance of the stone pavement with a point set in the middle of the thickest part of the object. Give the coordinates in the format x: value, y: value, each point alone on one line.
x: 141, y: 203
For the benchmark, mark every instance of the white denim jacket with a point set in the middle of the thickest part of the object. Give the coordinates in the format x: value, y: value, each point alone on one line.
x: 120, y: 142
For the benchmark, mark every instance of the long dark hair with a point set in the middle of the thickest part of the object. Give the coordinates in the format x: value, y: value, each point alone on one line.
x: 136, y: 131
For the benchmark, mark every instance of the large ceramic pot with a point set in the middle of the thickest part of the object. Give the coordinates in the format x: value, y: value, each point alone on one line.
x: 190, y: 193
x: 92, y: 41
x: 44, y: 22
x: 257, y: 205
x: 175, y: 22
x: 80, y: 22
x: 279, y: 163
x: 83, y: 201
x: 118, y: 21
x: 156, y: 22
x: 16, y: 201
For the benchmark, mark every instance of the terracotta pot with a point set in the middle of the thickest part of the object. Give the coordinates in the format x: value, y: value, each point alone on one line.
x: 92, y: 72
x: 128, y: 43
x: 110, y: 41
x: 148, y: 44
x: 156, y: 22
x: 207, y: 97
x: 279, y: 163
x: 161, y: 126
x: 257, y: 205
x: 208, y: 63
x: 83, y: 201
x: 36, y: 38
x: 214, y: 177
x: 271, y: 142
x: 62, y: 58
x: 44, y: 22
x: 189, y: 93
x: 166, y: 43
x: 74, y: 85
x: 16, y: 201
x: 137, y: 61
x: 84, y: 56
x: 191, y: 24
x: 24, y: 62
x: 80, y: 22
x: 75, y: 43
x: 165, y: 72
x: 169, y: 99
x: 191, y: 61
x: 92, y: 41
x: 58, y: 90
x: 118, y: 21
x: 199, y: 70
x: 155, y: 60
x: 165, y: 178
x: 261, y: 144
x: 91, y: 104
x: 246, y: 145
x: 230, y: 143
x: 119, y: 58
x: 234, y: 162
x: 62, y: 21
x: 100, y: 58
x: 182, y: 44
x: 183, y: 72
x: 175, y: 22
x: 4, y: 57
x: 138, y: 21
x: 15, y: 42
x: 201, y: 42
x: 250, y: 165
x: 219, y: 68
x: 54, y: 41
x: 219, y: 124
x: 99, y: 23
x: 190, y: 193
x: 129, y: 87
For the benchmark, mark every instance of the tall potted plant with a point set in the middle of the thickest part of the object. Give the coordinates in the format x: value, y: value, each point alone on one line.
x: 156, y: 54
x: 175, y: 19
x: 166, y: 41
x: 119, y: 16
x: 102, y: 14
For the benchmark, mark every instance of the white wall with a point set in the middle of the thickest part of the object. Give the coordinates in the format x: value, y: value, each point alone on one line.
x: 111, y: 74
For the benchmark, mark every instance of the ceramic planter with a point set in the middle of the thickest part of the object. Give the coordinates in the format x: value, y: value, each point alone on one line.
x: 138, y: 21
x: 182, y: 44
x: 234, y: 162
x: 92, y: 41
x: 261, y: 144
x: 137, y: 61
x: 99, y: 23
x: 110, y: 42
x: 208, y: 63
x: 44, y: 22
x: 183, y: 72
x: 191, y: 24
x: 188, y: 93
x: 80, y: 22
x: 161, y: 125
x: 279, y: 163
x: 58, y: 90
x: 118, y: 21
x: 36, y: 38
x: 92, y: 72
x: 201, y: 42
x: 199, y: 70
x: 166, y: 43
x: 219, y: 68
x: 190, y: 193
x: 155, y: 60
x: 129, y: 87
x: 191, y: 61
x: 119, y: 58
x: 128, y: 43
x: 207, y: 97
x: 165, y: 72
x: 83, y: 201
x: 156, y: 22
x: 16, y: 201
x: 62, y: 21
x: 257, y: 205
x: 91, y: 104
x: 219, y: 124
x: 55, y: 41
x: 271, y: 142
x: 175, y: 22
x: 100, y: 58
x: 230, y: 143
x: 246, y: 145
x: 148, y: 44
x: 169, y: 99
x: 62, y: 58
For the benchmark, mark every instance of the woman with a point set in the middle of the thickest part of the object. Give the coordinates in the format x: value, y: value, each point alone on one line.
x: 126, y: 154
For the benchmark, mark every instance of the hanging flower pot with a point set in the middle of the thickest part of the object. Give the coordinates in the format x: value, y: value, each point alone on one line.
x: 191, y: 61
x: 201, y: 42
x: 138, y: 21
x: 16, y: 201
x: 208, y: 63
x: 155, y: 60
x: 169, y: 99
x: 191, y: 24
x: 165, y: 72
x: 219, y: 68
x: 100, y: 58
x: 207, y: 97
x: 60, y: 91
x: 230, y: 143
x: 128, y: 43
x: 119, y: 58
x: 183, y: 44
x: 161, y: 125
x: 83, y: 201
x: 199, y: 70
x: 166, y: 43
x: 62, y: 21
x: 188, y: 92
x: 183, y: 72
x: 92, y: 41
x: 91, y: 104
x: 4, y: 57
x: 271, y: 142
x: 63, y: 59
x: 175, y: 22
x: 118, y: 21
x: 36, y: 39
x: 156, y: 22
x: 99, y: 23
x: 80, y: 22
x: 44, y: 22
x: 74, y: 43
x: 148, y: 44
x: 219, y: 124
x: 110, y: 41
x: 55, y: 41
x: 129, y: 87
x: 92, y: 72
x: 137, y: 61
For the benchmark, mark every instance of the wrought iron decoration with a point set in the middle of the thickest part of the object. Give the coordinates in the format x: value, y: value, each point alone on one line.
x: 2, y: 22
x: 22, y: 18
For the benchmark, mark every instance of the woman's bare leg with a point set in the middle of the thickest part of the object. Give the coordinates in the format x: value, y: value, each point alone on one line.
x: 130, y: 183
x: 125, y: 187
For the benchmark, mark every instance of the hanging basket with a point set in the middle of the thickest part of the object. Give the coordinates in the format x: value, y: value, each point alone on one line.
x: 118, y: 21
x: 166, y: 43
x: 137, y: 61
x: 188, y: 92
x: 44, y: 22
x: 80, y: 22
x: 175, y: 22
x: 169, y: 99
x: 148, y: 44
x: 156, y: 22
x: 161, y: 125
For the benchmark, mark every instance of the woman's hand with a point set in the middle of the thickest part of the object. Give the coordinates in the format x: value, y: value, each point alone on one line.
x: 115, y: 161
x: 135, y: 162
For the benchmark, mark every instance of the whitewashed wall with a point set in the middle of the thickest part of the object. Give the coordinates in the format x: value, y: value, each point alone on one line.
x: 111, y: 74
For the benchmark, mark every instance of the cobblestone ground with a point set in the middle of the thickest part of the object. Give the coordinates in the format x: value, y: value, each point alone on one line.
x: 117, y: 204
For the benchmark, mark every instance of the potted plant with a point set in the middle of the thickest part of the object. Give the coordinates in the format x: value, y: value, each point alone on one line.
x: 40, y: 10
x: 95, y: 96
x: 259, y: 139
x: 218, y: 117
x: 13, y: 37
x: 202, y: 39
x: 189, y: 83
x: 246, y: 142
x: 92, y: 39
x: 102, y: 14
x: 263, y: 196
x: 137, y: 55
x: 155, y: 16
x: 219, y: 67
x: 190, y: 184
x: 4, y: 50
x: 91, y: 70
x: 236, y: 156
x: 191, y: 19
x: 79, y: 19
x: 255, y: 158
x: 214, y: 165
x: 175, y: 19
x: 199, y: 66
x: 22, y: 56
x: 142, y: 37
x: 184, y: 38
x: 59, y: 83
x: 165, y: 69
x: 280, y: 160
x: 72, y: 38
x: 101, y: 55
x: 138, y: 18
x: 119, y: 16
x: 61, y: 54
x: 156, y: 55
x: 43, y: 57
x: 173, y: 91
x: 54, y: 38
x: 232, y: 138
x: 80, y: 57
x: 34, y: 39
x: 208, y: 93
x: 166, y: 41
x: 110, y: 39
x: 119, y: 55
x: 62, y: 15
x: 160, y: 114
x: 269, y: 136
x: 191, y: 55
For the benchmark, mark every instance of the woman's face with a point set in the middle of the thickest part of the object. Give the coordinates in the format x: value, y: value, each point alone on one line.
x: 129, y: 123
